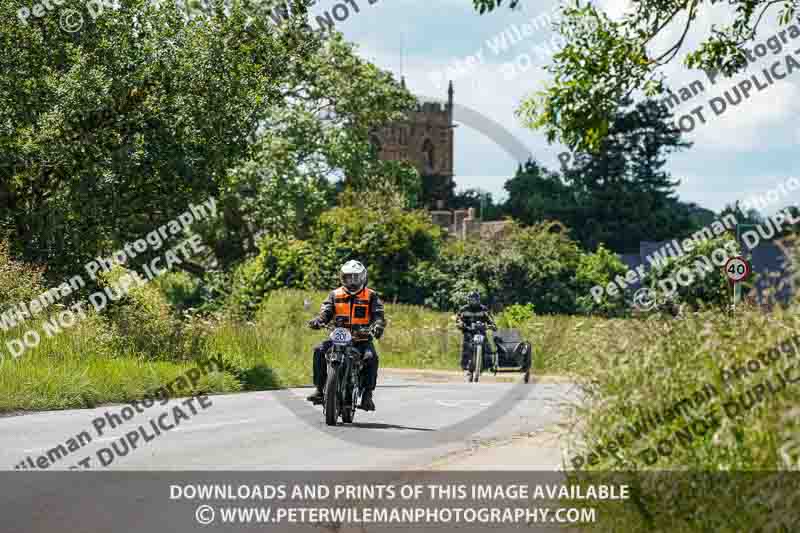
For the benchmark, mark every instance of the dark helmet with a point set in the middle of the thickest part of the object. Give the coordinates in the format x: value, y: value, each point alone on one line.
x: 474, y: 299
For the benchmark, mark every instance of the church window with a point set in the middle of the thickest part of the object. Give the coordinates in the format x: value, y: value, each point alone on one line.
x: 428, y: 155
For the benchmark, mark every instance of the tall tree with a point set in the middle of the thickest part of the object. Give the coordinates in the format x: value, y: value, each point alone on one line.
x: 623, y: 193
x: 536, y: 194
x: 146, y: 108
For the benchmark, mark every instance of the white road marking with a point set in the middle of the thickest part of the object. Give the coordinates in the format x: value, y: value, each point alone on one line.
x: 457, y: 403
x: 185, y: 429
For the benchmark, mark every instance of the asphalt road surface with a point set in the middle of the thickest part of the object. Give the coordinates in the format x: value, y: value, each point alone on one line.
x: 256, y: 431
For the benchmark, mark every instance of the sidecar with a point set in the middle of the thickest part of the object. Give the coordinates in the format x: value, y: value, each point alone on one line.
x: 512, y: 353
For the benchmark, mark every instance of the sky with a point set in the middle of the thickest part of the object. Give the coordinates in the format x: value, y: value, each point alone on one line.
x: 748, y: 149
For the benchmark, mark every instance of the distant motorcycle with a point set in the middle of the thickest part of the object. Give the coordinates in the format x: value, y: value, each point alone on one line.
x: 512, y: 354
x: 342, y: 392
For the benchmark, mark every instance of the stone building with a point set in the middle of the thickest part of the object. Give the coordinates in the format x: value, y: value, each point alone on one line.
x: 425, y: 139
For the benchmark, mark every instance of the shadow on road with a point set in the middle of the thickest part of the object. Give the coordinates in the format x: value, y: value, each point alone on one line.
x: 370, y: 425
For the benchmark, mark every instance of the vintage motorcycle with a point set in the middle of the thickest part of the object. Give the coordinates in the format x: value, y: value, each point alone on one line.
x: 512, y: 354
x: 478, y: 330
x: 342, y: 392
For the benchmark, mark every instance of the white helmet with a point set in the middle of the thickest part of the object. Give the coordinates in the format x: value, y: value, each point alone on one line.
x: 353, y: 276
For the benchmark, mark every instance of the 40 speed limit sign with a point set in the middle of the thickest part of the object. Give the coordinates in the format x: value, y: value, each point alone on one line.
x: 737, y: 269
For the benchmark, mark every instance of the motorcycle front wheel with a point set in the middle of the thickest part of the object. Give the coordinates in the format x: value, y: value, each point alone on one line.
x: 331, y: 397
x: 478, y: 363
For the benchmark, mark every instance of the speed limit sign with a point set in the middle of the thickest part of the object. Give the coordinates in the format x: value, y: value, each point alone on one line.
x: 737, y: 269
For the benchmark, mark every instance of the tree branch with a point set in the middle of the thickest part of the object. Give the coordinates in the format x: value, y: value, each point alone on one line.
x: 677, y: 46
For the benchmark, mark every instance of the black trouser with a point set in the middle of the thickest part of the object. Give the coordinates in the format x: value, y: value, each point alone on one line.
x: 466, y: 350
x: 369, y: 369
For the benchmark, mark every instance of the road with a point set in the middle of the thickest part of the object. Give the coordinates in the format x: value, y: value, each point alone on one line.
x: 257, y: 431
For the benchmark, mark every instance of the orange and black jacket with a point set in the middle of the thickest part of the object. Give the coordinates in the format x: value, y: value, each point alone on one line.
x: 359, y: 311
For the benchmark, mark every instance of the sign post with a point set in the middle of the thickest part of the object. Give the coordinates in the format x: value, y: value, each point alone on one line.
x: 736, y: 269
x: 737, y: 288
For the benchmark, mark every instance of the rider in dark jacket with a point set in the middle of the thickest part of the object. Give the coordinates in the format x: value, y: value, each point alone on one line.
x: 361, y: 311
x: 472, y: 312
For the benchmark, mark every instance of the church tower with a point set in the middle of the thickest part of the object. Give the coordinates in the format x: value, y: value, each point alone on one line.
x: 425, y: 138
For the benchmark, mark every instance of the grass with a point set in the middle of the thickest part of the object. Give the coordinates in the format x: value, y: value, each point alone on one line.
x: 84, y: 367
x: 676, y: 359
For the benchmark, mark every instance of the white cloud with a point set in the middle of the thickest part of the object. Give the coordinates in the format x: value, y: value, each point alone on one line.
x: 729, y: 150
x: 615, y: 9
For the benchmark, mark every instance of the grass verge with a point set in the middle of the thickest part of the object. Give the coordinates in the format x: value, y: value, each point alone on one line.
x: 699, y: 463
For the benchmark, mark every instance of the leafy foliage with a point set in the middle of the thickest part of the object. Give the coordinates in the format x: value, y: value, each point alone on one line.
x: 149, y: 107
x: 143, y: 321
x: 515, y: 315
x: 605, y: 60
x: 535, y: 265
x: 624, y: 195
x: 383, y: 184
x: 536, y: 194
x: 709, y: 289
x: 620, y: 195
x: 481, y: 201
x: 409, y: 263
x: 390, y: 242
x: 19, y: 281
x: 599, y: 268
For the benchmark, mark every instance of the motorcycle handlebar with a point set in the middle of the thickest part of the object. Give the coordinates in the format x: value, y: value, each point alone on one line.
x: 330, y: 326
x: 478, y: 325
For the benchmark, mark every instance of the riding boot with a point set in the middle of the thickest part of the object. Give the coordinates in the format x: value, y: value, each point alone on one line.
x: 366, y: 401
x: 317, y: 398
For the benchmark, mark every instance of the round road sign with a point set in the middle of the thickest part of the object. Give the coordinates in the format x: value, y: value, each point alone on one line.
x: 737, y: 269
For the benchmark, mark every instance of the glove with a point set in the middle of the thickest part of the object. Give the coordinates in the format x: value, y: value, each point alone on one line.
x: 377, y: 330
x: 315, y: 323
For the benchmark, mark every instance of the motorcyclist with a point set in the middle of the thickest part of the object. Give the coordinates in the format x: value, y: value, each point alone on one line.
x: 359, y: 309
x: 472, y: 312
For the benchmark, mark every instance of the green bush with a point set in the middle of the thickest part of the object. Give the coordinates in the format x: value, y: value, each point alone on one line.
x: 515, y: 315
x: 181, y: 290
x: 145, y: 323
x: 534, y: 265
x: 19, y: 282
x: 599, y: 268
x: 281, y: 263
x: 389, y: 242
x: 708, y: 288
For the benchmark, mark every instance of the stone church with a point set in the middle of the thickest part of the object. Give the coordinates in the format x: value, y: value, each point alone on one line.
x: 425, y: 139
